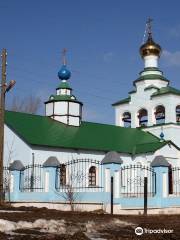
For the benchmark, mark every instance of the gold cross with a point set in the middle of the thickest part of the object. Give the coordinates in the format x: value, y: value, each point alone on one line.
x: 149, y: 27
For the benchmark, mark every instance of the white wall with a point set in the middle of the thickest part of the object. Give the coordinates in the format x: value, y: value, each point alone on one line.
x: 15, y: 148
x: 49, y: 109
x: 74, y: 108
x: 171, y: 154
x: 60, y: 108
x: 171, y: 132
x: 21, y: 151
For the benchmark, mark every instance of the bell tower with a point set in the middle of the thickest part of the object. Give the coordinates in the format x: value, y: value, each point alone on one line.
x: 64, y: 106
x: 153, y: 104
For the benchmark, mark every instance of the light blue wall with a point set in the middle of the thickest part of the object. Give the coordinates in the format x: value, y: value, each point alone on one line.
x: 90, y: 196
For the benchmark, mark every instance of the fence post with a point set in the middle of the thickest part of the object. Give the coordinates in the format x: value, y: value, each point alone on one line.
x: 15, y: 185
x: 161, y: 170
x: 15, y: 169
x: 50, y: 166
x: 145, y: 195
x: 112, y: 194
x: 111, y: 164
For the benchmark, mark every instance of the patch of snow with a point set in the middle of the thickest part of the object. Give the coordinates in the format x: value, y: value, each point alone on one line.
x: 9, y: 211
x: 6, y: 226
x: 51, y: 226
x: 119, y: 222
x: 24, y: 224
x: 93, y: 229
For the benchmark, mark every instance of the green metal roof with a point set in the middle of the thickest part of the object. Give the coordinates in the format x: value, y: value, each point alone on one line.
x: 151, y: 87
x: 133, y: 91
x: 151, y: 69
x: 44, y: 131
x: 125, y: 100
x: 166, y: 90
x: 64, y: 85
x: 57, y: 98
x: 151, y: 77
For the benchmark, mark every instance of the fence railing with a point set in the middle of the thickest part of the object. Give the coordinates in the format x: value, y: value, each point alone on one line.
x: 132, y: 181
x: 87, y: 175
x: 80, y: 175
x: 32, y: 178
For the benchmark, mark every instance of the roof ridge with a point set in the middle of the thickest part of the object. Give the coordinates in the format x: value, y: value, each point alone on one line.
x: 106, y: 124
x: 33, y: 114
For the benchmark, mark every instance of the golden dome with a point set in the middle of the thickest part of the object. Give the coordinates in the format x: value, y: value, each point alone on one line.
x: 150, y: 48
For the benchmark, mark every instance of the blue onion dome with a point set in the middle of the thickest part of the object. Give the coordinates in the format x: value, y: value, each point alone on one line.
x: 64, y: 73
x: 162, y: 135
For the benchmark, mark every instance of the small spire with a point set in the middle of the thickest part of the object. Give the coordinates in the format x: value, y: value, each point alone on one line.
x: 149, y: 27
x: 162, y: 134
x: 64, y: 61
x: 64, y: 73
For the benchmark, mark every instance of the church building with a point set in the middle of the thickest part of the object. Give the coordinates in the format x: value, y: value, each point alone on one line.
x: 45, y: 156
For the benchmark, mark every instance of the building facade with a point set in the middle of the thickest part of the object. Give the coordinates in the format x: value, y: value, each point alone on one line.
x: 45, y: 157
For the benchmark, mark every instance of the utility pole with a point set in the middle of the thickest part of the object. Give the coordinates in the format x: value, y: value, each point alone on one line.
x: 2, y: 108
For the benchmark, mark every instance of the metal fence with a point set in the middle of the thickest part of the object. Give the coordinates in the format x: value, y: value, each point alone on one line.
x: 132, y: 181
x: 32, y: 178
x: 80, y: 175
x: 174, y: 180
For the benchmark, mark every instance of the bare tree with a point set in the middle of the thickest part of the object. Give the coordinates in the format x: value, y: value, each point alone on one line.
x: 29, y: 104
x: 70, y: 191
x: 6, y: 172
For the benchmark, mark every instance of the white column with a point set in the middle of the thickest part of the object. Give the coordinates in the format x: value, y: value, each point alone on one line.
x: 151, y: 61
x: 170, y: 113
x: 46, y: 187
x: 165, y: 194
x: 11, y: 182
x: 116, y: 184
x: 107, y: 180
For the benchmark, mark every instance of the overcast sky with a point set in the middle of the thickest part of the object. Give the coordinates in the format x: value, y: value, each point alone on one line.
x: 103, y: 39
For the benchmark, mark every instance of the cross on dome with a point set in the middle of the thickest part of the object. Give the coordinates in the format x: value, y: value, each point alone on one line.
x: 149, y: 27
x: 150, y: 47
x: 64, y: 51
x: 64, y: 73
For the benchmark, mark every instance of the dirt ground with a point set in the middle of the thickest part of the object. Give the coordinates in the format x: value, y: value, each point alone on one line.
x: 84, y: 226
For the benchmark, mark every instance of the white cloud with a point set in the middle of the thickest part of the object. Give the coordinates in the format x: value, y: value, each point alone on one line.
x: 171, y: 58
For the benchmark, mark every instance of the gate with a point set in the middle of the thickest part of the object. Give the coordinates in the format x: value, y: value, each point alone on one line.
x: 132, y: 181
x: 32, y: 178
x: 81, y: 175
x: 174, y: 180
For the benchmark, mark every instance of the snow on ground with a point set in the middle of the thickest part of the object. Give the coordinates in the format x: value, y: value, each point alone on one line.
x: 92, y: 229
x: 9, y: 211
x: 51, y: 226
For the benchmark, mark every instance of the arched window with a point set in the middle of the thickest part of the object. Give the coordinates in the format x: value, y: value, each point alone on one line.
x: 126, y: 119
x: 143, y: 117
x: 92, y: 176
x: 178, y: 114
x: 160, y: 114
x: 62, y: 174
